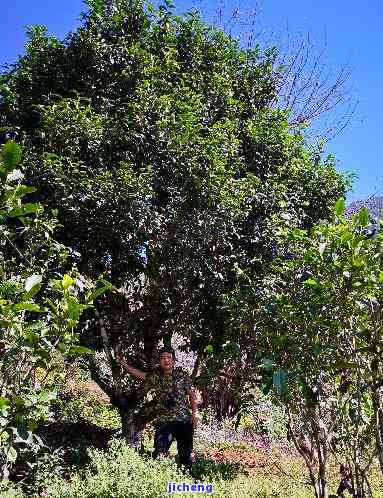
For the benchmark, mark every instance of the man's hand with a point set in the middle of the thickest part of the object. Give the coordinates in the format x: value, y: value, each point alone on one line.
x: 138, y: 374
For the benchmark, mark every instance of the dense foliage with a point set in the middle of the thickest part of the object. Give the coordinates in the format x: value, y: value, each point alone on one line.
x: 153, y: 142
x: 154, y: 138
x: 312, y: 328
x: 121, y: 473
x: 39, y: 309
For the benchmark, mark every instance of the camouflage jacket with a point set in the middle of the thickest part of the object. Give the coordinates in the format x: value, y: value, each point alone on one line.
x: 170, y: 394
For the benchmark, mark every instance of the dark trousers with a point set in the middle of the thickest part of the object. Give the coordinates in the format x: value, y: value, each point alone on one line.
x: 182, y: 432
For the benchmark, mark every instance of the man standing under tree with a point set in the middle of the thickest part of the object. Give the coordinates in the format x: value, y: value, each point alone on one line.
x: 170, y: 387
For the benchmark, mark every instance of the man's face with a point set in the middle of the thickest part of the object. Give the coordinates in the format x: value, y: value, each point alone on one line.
x: 166, y: 362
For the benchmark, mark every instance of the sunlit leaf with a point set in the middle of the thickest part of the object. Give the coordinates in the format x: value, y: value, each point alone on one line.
x: 11, y: 155
x: 340, y: 207
x: 23, y: 210
x: 27, y: 307
x: 80, y: 350
x: 32, y: 282
x: 363, y: 216
x: 67, y: 281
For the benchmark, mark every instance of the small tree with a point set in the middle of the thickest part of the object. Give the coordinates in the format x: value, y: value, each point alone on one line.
x: 40, y: 307
x: 313, y: 331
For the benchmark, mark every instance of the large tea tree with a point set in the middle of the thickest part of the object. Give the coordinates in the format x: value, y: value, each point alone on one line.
x: 154, y: 138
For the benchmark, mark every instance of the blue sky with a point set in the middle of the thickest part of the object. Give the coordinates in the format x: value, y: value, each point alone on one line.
x: 352, y: 32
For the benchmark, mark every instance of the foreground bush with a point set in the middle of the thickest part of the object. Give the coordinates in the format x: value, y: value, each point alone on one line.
x: 119, y: 473
x: 40, y: 308
x: 122, y: 473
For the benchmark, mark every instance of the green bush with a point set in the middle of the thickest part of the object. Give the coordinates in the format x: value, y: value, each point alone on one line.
x: 262, y: 487
x: 267, y: 418
x: 207, y: 469
x: 122, y: 473
x: 102, y: 414
x: 8, y: 490
x: 87, y: 408
x: 119, y: 473
x: 48, y: 463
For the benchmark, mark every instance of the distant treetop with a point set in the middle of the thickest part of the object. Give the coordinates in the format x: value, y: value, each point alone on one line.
x: 374, y: 205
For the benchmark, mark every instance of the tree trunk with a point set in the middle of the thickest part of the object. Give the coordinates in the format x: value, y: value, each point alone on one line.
x: 315, y: 458
x: 131, y: 430
x: 378, y: 424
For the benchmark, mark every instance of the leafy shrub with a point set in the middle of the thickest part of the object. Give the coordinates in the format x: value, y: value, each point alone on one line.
x: 261, y: 418
x: 8, y: 491
x: 122, y: 473
x: 262, y: 487
x: 102, y: 414
x: 205, y: 468
x: 119, y: 473
x: 74, y: 409
x: 47, y: 465
x: 229, y: 446
x: 266, y: 418
x: 40, y: 308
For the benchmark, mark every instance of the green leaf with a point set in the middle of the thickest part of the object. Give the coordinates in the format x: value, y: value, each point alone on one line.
x: 32, y: 284
x: 209, y: 349
x: 81, y: 350
x: 27, y: 208
x: 267, y: 363
x: 51, y: 305
x: 340, y: 207
x: 74, y: 309
x: 27, y: 307
x: 11, y: 155
x: 363, y: 217
x: 67, y: 281
x: 317, y: 349
x: 312, y: 282
x: 99, y: 291
x: 381, y: 277
x: 62, y: 347
x: 18, y: 192
x: 18, y: 402
x: 31, y: 337
x: 4, y: 402
x: 169, y: 4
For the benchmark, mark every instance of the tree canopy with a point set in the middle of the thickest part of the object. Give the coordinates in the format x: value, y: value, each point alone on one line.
x: 154, y: 137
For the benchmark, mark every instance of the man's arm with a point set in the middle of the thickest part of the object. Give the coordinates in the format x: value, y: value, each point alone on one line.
x: 139, y: 374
